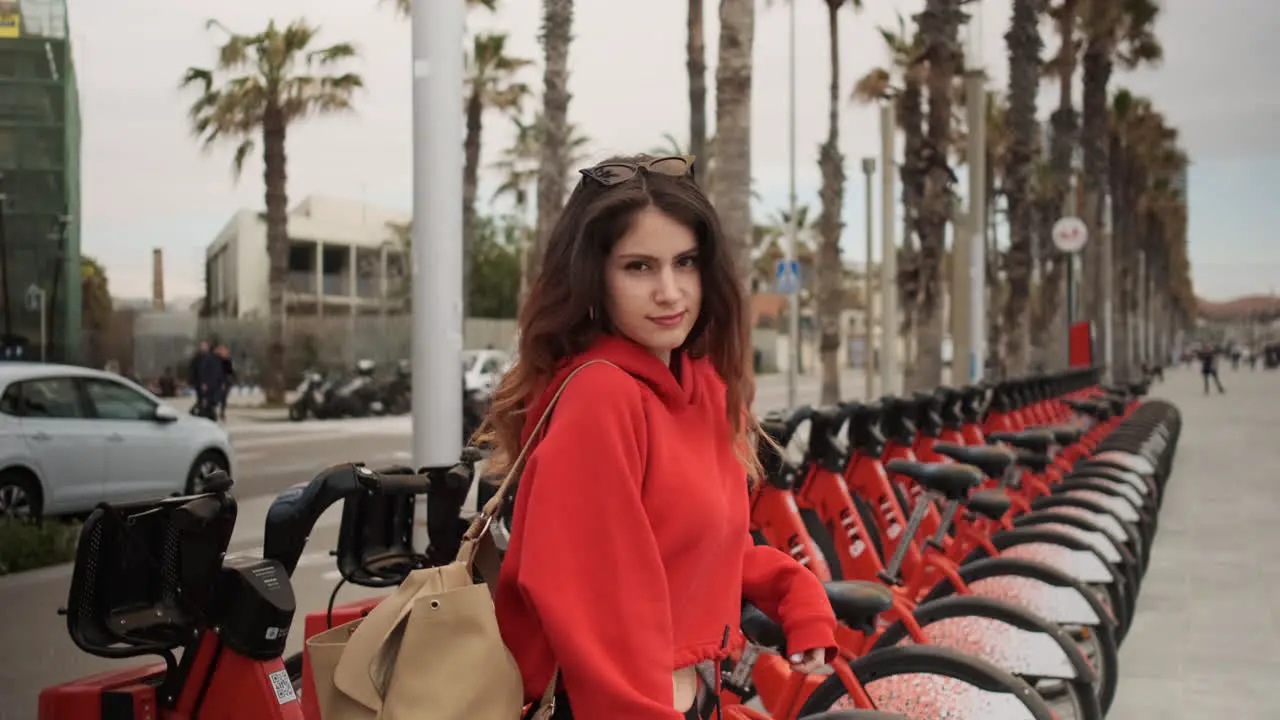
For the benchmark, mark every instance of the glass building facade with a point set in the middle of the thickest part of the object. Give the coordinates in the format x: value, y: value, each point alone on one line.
x: 40, y: 273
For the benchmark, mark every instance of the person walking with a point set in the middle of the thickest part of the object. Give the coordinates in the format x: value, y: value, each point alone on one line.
x: 212, y: 382
x: 193, y: 376
x: 228, y: 378
x: 1209, y: 368
x: 630, y: 551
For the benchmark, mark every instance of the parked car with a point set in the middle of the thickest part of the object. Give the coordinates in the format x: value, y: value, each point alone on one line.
x: 482, y: 370
x: 71, y: 437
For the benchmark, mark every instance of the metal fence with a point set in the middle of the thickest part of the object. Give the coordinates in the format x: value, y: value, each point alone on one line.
x: 333, y: 343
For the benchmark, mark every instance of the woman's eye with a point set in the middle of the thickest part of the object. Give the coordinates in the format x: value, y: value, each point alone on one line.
x: 688, y: 261
x: 637, y: 266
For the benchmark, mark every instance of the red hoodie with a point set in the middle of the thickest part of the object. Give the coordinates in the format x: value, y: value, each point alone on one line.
x: 630, y: 551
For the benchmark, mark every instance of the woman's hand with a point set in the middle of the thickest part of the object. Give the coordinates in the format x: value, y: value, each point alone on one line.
x: 809, y: 661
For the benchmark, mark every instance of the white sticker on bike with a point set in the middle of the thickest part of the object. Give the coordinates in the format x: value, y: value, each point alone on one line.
x: 283, y: 686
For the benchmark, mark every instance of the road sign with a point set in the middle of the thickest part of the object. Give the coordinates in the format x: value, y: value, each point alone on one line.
x: 35, y: 298
x: 788, y: 277
x: 1070, y: 234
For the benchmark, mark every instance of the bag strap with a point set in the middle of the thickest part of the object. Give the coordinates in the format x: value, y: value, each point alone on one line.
x: 473, y: 541
x: 480, y: 525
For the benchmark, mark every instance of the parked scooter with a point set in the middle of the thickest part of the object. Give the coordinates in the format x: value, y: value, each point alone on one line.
x: 397, y: 392
x: 311, y: 396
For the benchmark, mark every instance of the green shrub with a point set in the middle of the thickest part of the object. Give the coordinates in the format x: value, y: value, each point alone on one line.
x: 26, y: 546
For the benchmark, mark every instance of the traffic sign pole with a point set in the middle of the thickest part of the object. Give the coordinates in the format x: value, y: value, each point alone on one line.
x: 1070, y: 235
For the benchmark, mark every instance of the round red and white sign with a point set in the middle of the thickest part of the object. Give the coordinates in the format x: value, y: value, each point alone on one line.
x: 1070, y: 234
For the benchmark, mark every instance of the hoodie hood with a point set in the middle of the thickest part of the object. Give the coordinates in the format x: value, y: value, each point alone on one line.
x: 639, y: 363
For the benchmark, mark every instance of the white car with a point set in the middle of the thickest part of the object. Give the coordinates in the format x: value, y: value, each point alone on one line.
x: 482, y: 370
x: 71, y: 437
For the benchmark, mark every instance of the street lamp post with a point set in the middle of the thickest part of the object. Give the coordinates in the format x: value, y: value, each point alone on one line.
x: 793, y: 299
x: 868, y: 371
x: 438, y: 28
x: 888, y: 255
x: 36, y: 300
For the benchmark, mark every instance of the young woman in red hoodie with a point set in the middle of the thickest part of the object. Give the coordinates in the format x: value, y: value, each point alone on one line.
x: 630, y: 552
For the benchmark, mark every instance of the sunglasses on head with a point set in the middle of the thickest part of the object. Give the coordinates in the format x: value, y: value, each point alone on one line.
x: 609, y: 174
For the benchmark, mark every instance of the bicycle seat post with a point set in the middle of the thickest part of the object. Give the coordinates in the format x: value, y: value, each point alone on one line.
x: 892, y: 572
x: 949, y: 511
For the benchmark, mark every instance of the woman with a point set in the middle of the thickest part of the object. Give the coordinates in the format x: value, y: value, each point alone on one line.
x: 630, y: 551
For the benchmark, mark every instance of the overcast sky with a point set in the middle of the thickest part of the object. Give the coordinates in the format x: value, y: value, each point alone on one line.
x: 147, y: 184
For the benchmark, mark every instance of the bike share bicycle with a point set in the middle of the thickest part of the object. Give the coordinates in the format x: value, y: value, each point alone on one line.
x: 826, y: 514
x: 807, y: 507
x: 154, y: 579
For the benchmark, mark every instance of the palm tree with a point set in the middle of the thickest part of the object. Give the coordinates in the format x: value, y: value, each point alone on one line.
x: 263, y: 83
x: 1115, y: 30
x: 731, y: 192
x: 557, y: 33
x: 830, y: 269
x: 939, y: 29
x: 1054, y: 187
x: 1024, y: 44
x: 520, y: 166
x: 697, y: 66
x: 491, y: 84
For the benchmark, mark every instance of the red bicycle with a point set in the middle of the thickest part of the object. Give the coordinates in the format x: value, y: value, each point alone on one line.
x: 806, y: 504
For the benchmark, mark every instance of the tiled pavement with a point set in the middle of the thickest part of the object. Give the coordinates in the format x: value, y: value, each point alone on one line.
x: 1206, y: 639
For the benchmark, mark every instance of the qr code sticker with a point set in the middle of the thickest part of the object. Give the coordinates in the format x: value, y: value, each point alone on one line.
x: 283, y: 686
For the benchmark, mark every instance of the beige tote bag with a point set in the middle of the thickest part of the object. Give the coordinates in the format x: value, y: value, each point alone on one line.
x: 432, y: 649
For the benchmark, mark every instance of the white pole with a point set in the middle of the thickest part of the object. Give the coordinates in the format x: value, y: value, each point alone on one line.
x: 868, y: 365
x: 438, y: 31
x: 44, y: 340
x: 888, y: 255
x: 793, y: 301
x: 977, y: 284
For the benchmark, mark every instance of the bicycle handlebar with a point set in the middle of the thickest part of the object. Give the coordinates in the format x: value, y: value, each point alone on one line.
x: 293, y: 514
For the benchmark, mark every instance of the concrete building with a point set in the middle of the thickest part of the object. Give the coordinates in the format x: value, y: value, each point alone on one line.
x: 40, y: 165
x: 345, y: 258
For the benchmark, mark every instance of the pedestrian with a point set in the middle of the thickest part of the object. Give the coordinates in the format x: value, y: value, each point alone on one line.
x: 228, y: 378
x: 1209, y: 368
x: 212, y: 379
x: 630, y: 552
x: 193, y: 376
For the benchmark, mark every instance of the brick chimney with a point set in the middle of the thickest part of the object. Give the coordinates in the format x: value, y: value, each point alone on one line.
x: 157, y: 279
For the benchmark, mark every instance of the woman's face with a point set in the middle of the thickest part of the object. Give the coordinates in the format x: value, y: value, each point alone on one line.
x: 653, y: 288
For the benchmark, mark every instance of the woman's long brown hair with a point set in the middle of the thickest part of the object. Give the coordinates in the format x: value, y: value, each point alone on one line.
x: 562, y: 314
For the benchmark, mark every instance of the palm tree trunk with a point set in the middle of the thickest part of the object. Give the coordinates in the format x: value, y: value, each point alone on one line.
x: 912, y: 173
x: 277, y: 202
x: 697, y: 66
x: 731, y: 192
x: 557, y: 25
x: 1094, y: 141
x: 939, y: 25
x: 470, y: 179
x: 830, y: 270
x: 1024, y: 77
x: 1051, y: 334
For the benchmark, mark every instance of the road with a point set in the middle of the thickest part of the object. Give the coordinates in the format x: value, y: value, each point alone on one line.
x: 270, y: 456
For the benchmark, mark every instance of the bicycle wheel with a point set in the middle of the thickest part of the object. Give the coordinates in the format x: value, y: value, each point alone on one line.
x: 926, y: 683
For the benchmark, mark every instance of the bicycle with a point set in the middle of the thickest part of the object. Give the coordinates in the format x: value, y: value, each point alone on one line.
x: 808, y: 481
x: 154, y: 579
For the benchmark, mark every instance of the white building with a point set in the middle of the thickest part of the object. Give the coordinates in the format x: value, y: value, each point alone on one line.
x: 344, y: 258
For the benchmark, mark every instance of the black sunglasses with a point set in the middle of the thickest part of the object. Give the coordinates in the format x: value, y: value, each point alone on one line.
x: 609, y: 174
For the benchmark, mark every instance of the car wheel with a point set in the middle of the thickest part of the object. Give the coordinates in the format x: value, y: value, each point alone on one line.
x: 208, y: 462
x: 20, y: 497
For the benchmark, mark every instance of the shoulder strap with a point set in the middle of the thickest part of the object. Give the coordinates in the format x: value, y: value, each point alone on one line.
x: 491, y: 508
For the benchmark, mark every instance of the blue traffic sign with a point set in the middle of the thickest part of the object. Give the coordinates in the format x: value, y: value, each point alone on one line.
x: 788, y: 277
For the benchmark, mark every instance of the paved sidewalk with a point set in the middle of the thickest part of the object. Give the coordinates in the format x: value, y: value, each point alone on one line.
x: 1206, y: 639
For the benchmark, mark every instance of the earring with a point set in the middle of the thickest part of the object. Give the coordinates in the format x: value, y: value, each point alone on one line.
x: 591, y: 313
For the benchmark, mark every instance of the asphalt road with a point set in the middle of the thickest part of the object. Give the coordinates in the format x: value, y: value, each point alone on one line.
x: 270, y: 457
